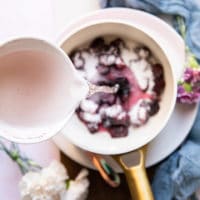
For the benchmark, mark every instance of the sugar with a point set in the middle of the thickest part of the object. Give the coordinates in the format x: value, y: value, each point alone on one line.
x: 113, y: 111
x: 93, y: 118
x: 88, y: 106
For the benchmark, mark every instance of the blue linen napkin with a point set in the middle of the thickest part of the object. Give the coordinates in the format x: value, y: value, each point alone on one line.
x: 189, y: 9
x: 178, y: 177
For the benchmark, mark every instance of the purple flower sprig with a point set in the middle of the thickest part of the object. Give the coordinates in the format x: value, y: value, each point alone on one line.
x: 189, y: 84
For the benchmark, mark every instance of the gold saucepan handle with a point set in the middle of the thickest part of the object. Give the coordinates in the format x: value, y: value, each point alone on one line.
x: 136, y: 177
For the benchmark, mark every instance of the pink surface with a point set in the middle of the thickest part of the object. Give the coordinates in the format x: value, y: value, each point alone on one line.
x: 26, y: 18
x: 9, y: 178
x: 43, y: 153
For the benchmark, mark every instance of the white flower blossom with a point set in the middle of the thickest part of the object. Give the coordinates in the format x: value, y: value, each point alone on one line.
x: 47, y: 184
x: 78, y: 189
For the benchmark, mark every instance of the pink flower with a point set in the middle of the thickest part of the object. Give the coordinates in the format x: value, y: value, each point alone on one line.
x: 189, y: 86
x: 187, y: 97
x: 188, y: 75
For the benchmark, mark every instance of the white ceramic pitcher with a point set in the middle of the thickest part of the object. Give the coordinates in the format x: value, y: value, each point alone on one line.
x: 34, y: 116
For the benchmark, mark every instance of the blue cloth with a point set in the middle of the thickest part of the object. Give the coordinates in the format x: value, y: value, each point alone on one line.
x: 189, y: 9
x: 178, y: 177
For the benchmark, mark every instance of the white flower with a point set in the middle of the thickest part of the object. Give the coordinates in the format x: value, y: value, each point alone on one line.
x: 78, y: 189
x: 47, y: 184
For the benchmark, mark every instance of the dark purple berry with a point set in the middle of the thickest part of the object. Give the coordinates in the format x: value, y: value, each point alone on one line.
x: 118, y: 42
x: 95, y: 98
x: 113, y: 50
x: 124, y: 120
x: 143, y: 52
x: 157, y: 70
x: 109, y: 121
x: 159, y: 85
x: 154, y: 107
x: 98, y: 44
x: 107, y: 59
x: 106, y: 122
x: 93, y: 127
x: 104, y: 82
x: 124, y: 88
x: 103, y: 70
x: 118, y: 131
x: 103, y: 98
x: 114, y: 74
x: 145, y: 104
x: 80, y: 114
x: 107, y: 98
x: 114, y: 47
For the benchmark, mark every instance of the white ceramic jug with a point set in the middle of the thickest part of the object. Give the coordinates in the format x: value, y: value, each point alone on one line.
x: 37, y: 99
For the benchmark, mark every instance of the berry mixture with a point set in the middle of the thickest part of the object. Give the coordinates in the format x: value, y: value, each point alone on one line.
x: 139, y: 76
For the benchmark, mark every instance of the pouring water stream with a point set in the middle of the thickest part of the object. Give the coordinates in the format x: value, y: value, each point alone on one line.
x: 103, y: 88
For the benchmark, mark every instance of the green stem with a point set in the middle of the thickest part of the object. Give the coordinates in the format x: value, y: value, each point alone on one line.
x: 191, y: 59
x: 181, y: 26
x: 23, y: 162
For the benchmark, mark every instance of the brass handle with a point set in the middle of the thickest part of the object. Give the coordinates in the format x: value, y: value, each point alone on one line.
x: 136, y: 177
